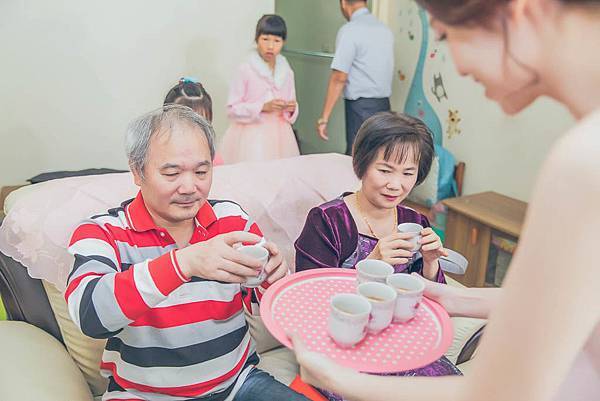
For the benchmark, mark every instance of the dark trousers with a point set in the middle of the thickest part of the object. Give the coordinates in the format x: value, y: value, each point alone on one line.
x: 261, y: 386
x: 357, y: 111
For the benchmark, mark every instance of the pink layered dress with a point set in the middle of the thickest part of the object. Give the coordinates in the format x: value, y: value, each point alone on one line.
x: 255, y: 135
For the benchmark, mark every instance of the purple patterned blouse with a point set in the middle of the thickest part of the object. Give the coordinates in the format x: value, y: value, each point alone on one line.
x: 330, y: 238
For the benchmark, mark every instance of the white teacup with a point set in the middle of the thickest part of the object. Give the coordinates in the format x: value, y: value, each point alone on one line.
x: 409, y: 290
x: 348, y: 319
x: 415, y: 229
x: 382, y: 298
x: 368, y: 270
x: 260, y: 253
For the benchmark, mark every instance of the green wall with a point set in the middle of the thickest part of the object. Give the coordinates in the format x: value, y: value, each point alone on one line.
x: 312, y: 26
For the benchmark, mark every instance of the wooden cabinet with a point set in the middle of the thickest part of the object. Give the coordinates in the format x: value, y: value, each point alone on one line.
x: 472, y: 221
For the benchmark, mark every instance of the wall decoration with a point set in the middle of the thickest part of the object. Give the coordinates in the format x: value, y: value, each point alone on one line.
x: 420, y: 111
x: 453, y: 121
x: 401, y: 75
x: 416, y: 103
x: 438, y: 89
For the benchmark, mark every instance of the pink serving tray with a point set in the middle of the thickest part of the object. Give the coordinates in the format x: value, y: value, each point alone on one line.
x: 300, y: 303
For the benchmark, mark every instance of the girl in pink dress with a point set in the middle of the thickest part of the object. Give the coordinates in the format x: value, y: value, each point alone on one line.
x: 262, y: 101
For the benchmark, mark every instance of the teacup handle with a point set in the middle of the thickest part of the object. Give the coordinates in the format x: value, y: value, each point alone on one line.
x: 364, y: 332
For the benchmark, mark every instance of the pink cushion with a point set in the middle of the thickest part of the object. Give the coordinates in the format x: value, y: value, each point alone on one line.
x: 278, y: 194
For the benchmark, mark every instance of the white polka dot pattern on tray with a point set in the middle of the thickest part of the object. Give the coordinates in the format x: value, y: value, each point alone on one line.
x: 304, y: 308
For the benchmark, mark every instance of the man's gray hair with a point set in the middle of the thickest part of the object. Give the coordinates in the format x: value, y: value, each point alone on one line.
x: 141, y: 130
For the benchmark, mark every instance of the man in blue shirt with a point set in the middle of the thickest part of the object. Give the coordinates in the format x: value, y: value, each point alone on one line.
x: 363, y: 67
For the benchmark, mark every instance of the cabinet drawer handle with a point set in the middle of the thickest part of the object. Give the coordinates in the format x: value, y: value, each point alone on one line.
x: 473, y: 236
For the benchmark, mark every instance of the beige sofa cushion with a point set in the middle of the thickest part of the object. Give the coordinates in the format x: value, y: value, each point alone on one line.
x: 281, y: 364
x: 262, y: 337
x: 36, y: 367
x: 85, y: 351
x: 464, y: 328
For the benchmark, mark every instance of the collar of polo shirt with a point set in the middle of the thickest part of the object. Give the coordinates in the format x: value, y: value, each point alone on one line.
x: 140, y: 219
x: 359, y: 12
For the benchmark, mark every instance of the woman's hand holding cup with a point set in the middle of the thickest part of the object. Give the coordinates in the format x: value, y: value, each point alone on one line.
x: 431, y: 249
x: 395, y: 249
x: 431, y: 246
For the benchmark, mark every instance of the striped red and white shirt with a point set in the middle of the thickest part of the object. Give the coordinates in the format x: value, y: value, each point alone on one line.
x: 169, y: 338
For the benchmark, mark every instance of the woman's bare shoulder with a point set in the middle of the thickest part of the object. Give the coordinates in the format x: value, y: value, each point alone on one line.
x: 576, y: 157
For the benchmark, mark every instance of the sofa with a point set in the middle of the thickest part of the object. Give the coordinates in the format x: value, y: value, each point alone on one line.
x: 50, y: 359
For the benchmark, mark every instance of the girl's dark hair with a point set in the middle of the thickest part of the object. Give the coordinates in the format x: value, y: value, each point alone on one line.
x: 271, y: 24
x: 193, y: 95
x: 474, y: 12
x: 396, y: 134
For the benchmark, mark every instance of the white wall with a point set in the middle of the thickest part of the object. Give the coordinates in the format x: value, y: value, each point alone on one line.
x: 502, y: 153
x: 73, y: 73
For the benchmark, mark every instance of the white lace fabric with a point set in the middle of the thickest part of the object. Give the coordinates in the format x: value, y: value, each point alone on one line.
x: 42, y: 217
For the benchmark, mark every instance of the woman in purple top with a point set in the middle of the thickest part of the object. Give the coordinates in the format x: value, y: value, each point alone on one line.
x: 392, y: 153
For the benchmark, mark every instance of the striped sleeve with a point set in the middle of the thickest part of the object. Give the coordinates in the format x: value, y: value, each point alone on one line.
x: 101, y: 297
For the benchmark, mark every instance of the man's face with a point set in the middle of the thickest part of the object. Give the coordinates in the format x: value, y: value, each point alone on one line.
x: 178, y: 174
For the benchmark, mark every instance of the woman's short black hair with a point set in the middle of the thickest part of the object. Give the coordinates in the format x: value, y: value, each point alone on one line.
x: 396, y: 134
x: 193, y: 95
x: 271, y: 24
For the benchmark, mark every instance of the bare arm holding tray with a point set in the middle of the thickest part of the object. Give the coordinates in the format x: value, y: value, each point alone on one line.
x: 463, y: 301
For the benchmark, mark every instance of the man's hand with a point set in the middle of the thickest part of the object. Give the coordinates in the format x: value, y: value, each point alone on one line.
x: 322, y: 129
x: 335, y: 87
x: 216, y: 259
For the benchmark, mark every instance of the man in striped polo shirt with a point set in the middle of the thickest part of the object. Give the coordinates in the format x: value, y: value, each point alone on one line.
x: 159, y: 276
